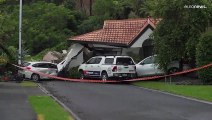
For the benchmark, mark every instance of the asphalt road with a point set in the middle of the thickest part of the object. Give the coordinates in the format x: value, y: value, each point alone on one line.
x: 93, y: 101
x: 14, y: 104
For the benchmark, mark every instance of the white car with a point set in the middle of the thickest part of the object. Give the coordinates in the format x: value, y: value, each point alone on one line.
x: 106, y: 67
x: 148, y: 67
x: 44, y: 67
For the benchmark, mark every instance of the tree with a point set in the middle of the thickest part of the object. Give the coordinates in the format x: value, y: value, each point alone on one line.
x: 204, y: 56
x: 44, y: 26
x: 4, y: 34
x: 104, y: 10
x: 177, y: 34
x: 70, y: 4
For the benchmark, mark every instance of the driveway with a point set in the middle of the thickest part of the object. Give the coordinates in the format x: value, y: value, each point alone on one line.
x: 93, y: 101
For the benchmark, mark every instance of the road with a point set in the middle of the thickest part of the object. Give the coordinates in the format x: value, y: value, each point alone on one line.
x: 93, y: 101
x: 14, y: 103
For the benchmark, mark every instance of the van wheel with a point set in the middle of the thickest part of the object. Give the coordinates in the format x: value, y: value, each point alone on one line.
x: 173, y: 70
x: 82, y: 76
x: 104, y: 76
x: 35, y: 77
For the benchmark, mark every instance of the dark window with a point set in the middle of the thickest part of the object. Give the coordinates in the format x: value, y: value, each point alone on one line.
x: 109, y: 60
x: 91, y: 61
x: 94, y: 61
x: 124, y: 61
x: 52, y: 66
x: 98, y: 60
x: 41, y: 65
x: 26, y: 64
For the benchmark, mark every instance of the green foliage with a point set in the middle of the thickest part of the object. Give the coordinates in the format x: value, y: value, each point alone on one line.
x: 44, y: 26
x: 8, y: 26
x: 13, y: 50
x: 73, y: 73
x: 70, y: 4
x: 3, y: 60
x: 92, y: 23
x: 204, y: 56
x: 104, y: 7
x: 105, y: 10
x: 177, y: 34
x: 116, y: 9
x: 7, y: 54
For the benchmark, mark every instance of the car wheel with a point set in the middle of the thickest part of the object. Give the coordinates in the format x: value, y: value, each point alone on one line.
x: 104, y: 76
x: 35, y: 77
x: 173, y: 70
x: 82, y: 76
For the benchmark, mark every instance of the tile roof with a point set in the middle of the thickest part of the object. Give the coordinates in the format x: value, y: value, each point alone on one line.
x: 117, y: 31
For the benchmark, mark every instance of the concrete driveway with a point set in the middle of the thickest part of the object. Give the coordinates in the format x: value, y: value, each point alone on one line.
x: 93, y: 101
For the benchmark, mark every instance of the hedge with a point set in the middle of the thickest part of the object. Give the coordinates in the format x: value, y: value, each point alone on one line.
x: 204, y: 56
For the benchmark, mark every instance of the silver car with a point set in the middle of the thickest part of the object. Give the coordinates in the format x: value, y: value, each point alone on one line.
x: 148, y: 67
x: 43, y: 67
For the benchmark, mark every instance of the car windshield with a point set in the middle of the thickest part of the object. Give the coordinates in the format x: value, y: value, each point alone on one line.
x: 124, y: 61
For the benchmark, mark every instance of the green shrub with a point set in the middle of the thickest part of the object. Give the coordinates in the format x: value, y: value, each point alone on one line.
x: 3, y: 60
x: 204, y: 56
x: 73, y: 73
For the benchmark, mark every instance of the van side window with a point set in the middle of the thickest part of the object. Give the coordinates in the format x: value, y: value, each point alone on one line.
x: 91, y: 61
x: 94, y: 61
x: 149, y: 60
x: 98, y: 60
x: 109, y: 61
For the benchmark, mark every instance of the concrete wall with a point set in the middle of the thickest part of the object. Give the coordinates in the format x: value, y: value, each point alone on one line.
x: 76, y: 61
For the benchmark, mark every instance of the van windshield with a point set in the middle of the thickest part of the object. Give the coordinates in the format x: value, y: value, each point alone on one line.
x: 124, y: 61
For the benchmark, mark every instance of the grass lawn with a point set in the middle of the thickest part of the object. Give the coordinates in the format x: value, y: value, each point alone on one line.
x: 202, y: 92
x: 47, y: 109
x: 28, y: 84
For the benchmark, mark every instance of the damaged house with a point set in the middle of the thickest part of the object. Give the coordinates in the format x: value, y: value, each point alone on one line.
x: 117, y: 37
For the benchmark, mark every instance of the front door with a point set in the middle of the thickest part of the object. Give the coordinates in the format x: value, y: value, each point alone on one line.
x: 93, y: 68
x: 146, y: 67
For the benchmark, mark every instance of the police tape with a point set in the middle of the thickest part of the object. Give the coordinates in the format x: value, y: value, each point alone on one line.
x: 114, y: 81
x: 173, y: 74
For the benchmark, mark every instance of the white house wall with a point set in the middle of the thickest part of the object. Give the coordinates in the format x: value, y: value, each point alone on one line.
x: 143, y: 37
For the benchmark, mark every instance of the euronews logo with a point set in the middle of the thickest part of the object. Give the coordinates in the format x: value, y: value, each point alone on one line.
x: 195, y: 6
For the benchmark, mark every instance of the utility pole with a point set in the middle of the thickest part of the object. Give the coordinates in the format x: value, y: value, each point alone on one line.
x: 20, y: 31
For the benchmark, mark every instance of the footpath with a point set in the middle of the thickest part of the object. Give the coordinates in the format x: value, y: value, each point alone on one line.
x: 14, y: 103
